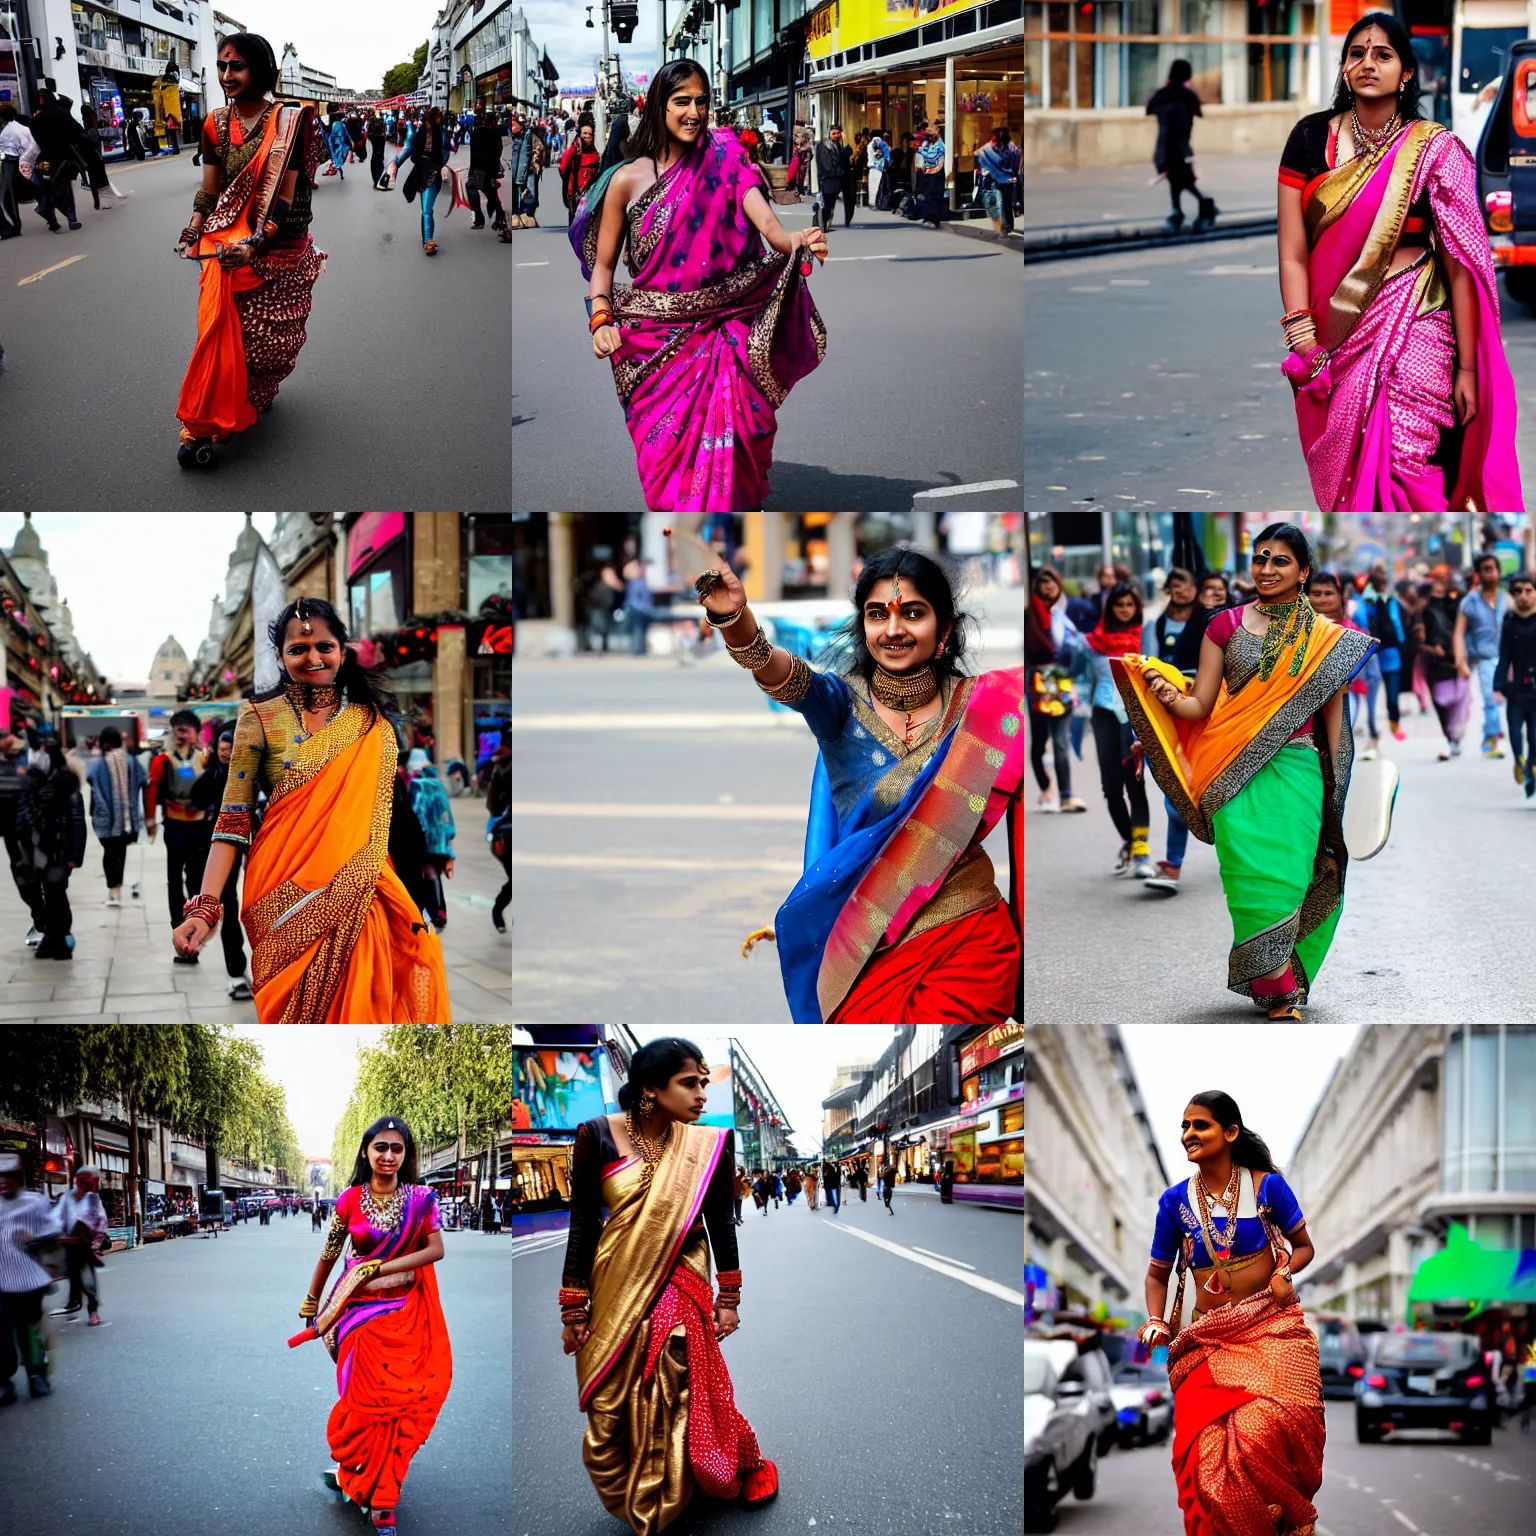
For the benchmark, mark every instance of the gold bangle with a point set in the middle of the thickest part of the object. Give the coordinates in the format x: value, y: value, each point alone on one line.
x: 726, y: 622
x: 755, y: 654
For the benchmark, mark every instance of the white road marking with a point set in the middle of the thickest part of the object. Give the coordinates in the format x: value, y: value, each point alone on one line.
x: 659, y: 720
x: 1192, y: 490
x: 932, y: 1255
x: 1251, y: 437
x: 1055, y: 487
x: 619, y: 812
x: 58, y: 266
x: 1088, y: 288
x: 537, y: 1242
x: 1398, y: 1515
x: 615, y: 863
x: 891, y: 257
x: 991, y: 1287
x: 1130, y: 282
x: 1237, y: 269
x: 968, y: 490
x: 533, y: 263
x: 1092, y: 458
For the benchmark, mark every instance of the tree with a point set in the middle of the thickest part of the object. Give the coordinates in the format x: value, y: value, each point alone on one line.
x: 403, y: 78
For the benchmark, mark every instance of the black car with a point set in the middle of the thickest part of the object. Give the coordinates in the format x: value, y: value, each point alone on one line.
x: 1425, y: 1381
x: 1506, y: 174
x: 1340, y: 1353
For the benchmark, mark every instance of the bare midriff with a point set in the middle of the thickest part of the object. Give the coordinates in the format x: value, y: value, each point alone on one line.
x: 1240, y: 1284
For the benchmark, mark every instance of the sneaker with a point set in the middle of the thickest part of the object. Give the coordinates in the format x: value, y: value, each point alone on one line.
x: 39, y: 1386
x: 1073, y: 805
x: 1122, y: 860
x: 1163, y: 884
x: 114, y: 901
x: 1455, y: 749
x: 240, y: 990
x: 1047, y: 802
x: 1398, y: 733
x: 1491, y: 747
x: 1143, y: 868
x: 1369, y: 755
x: 34, y: 937
x: 1519, y: 769
x: 1444, y: 754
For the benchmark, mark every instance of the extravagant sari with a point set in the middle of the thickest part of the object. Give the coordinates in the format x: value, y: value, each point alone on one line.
x: 390, y: 1343
x: 1271, y: 800
x: 661, y: 1412
x: 1378, y: 422
x: 896, y: 918
x: 1248, y: 1420
x: 335, y: 937
x: 250, y: 320
x: 716, y: 330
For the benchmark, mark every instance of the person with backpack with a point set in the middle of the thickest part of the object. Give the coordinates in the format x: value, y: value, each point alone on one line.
x: 429, y: 800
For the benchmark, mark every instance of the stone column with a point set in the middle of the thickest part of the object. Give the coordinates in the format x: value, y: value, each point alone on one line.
x: 842, y: 546
x: 450, y: 688
x: 562, y: 571
x: 436, y: 575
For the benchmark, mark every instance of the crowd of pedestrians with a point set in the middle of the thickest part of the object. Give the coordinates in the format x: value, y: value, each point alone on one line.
x: 823, y: 1181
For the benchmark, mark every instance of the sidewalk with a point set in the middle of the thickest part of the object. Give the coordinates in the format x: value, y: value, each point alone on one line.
x: 123, y: 971
x: 1117, y: 204
x: 978, y: 228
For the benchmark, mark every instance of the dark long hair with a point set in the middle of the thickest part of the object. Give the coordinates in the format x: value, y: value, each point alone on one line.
x: 1121, y: 589
x: 259, y: 59
x: 655, y: 1064
x: 1408, y: 103
x: 363, y: 685
x: 939, y: 584
x: 362, y: 1169
x: 1295, y: 541
x: 650, y: 138
x: 1248, y: 1151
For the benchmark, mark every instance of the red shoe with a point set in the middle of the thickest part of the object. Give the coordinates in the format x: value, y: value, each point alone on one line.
x: 761, y: 1485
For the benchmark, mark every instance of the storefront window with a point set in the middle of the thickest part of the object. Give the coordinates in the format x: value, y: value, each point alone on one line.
x: 1520, y: 1109
x: 1001, y: 1162
x: 377, y: 594
x: 1476, y: 1086
x: 962, y: 1151
x: 489, y: 558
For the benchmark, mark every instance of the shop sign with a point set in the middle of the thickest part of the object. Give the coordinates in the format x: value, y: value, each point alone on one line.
x: 849, y: 23
x: 132, y: 63
x: 985, y: 1049
x: 492, y: 638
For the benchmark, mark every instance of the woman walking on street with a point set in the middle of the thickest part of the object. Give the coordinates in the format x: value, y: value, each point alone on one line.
x: 1118, y: 634
x: 249, y: 233
x: 382, y: 1322
x: 427, y: 150
x: 1049, y: 639
x: 119, y: 783
x: 812, y: 1177
x: 1444, y: 683
x: 636, y: 1303
x: 713, y: 332
x: 429, y: 800
x: 50, y: 825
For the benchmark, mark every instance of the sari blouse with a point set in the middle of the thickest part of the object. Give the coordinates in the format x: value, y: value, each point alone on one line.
x: 230, y: 147
x: 1176, y: 1220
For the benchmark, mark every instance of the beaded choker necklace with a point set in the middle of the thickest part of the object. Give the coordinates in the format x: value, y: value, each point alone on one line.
x: 1289, y: 623
x: 904, y: 690
x: 383, y: 1215
x: 313, y: 697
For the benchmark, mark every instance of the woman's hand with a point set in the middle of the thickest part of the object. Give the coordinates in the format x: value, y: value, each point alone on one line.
x: 606, y: 340
x: 729, y: 596
x: 1160, y: 688
x: 188, y: 938
x: 237, y: 255
x: 727, y: 1320
x: 574, y: 1336
x: 1464, y: 392
x: 1154, y: 1332
x: 815, y: 241
x: 449, y: 869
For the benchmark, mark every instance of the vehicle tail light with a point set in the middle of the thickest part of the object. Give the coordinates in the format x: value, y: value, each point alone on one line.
x: 1154, y: 1397
x: 1357, y: 1371
x: 1376, y: 1381
x: 1477, y: 1381
x: 1501, y: 211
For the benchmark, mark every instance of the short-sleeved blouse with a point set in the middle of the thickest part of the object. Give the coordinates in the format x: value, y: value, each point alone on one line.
x: 1312, y: 151
x: 1176, y: 1219
x: 364, y: 1235
x: 1241, y: 660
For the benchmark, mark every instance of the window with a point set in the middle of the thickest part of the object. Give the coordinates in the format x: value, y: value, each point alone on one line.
x: 1520, y: 1109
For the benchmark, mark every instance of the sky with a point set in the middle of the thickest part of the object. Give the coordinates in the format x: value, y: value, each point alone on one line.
x: 560, y: 28
x: 132, y: 578
x: 316, y: 1065
x: 356, y: 42
x: 1275, y: 1072
x: 796, y: 1062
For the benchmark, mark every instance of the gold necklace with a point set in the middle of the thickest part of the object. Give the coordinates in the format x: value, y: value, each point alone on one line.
x: 383, y: 1217
x: 1289, y: 623
x: 1371, y: 139
x: 904, y: 690
x: 650, y: 1151
x: 1219, y: 1251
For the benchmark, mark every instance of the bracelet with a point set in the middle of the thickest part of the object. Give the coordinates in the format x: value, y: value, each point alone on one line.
x: 755, y: 654
x: 727, y: 621
x: 208, y: 909
x: 308, y: 1307
x: 574, y: 1296
x: 593, y: 298
x: 599, y: 320
x: 573, y: 1317
x: 1293, y: 314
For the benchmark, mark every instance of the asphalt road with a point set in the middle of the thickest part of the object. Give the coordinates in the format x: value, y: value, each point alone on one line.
x: 919, y: 389
x: 886, y: 1391
x: 190, y: 1415
x: 1425, y: 935
x: 1423, y: 1483
x: 96, y: 352
x: 648, y: 842
x: 1154, y: 380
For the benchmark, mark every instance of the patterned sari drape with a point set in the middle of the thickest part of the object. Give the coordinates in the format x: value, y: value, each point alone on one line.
x: 716, y: 330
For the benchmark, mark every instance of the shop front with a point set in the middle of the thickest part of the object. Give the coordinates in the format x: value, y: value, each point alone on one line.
x: 126, y: 67
x: 494, y: 89
x: 541, y: 1172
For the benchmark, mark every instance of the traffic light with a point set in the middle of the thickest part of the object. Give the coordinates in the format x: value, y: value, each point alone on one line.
x: 625, y: 16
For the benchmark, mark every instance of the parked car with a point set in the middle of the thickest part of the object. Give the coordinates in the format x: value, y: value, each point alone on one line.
x: 1340, y: 1352
x: 1506, y: 174
x: 1061, y: 1433
x: 1143, y: 1403
x: 1425, y: 1381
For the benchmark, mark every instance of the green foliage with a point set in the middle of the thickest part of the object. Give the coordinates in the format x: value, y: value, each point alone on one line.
x: 399, y: 80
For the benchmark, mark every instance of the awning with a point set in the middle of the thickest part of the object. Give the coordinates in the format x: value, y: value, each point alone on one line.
x: 1465, y: 1271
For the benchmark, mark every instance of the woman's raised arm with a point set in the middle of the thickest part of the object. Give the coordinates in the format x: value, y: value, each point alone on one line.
x: 731, y: 597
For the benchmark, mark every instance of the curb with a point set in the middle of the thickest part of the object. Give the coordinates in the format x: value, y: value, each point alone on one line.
x: 1081, y: 240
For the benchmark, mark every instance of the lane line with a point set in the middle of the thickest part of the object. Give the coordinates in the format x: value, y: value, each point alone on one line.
x: 659, y: 812
x: 979, y: 1282
x: 1397, y: 1514
x: 533, y: 263
x: 659, y: 720
x: 891, y: 257
x: 968, y: 490
x: 932, y: 1255
x: 58, y: 266
x: 616, y: 862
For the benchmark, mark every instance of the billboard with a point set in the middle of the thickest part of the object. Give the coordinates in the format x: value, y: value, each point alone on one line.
x: 848, y: 23
x: 555, y: 1090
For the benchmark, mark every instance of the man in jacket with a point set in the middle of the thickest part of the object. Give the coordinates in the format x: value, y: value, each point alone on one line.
x: 13, y: 768
x: 484, y: 172
x: 834, y: 171
x: 519, y: 169
x: 188, y: 828
x: 832, y: 1185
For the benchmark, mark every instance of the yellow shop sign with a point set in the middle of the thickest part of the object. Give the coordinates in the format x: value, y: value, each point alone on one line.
x: 847, y: 24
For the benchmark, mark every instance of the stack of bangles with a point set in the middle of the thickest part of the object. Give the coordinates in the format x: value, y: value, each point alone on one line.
x: 309, y: 1306
x: 575, y: 1303
x: 1153, y: 1328
x: 728, y: 1284
x: 758, y: 651
x: 208, y: 909
x: 1300, y: 328
x: 599, y: 312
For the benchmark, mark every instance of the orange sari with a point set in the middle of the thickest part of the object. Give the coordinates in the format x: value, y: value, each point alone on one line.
x: 335, y: 937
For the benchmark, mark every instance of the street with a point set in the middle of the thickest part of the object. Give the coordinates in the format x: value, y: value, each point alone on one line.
x: 189, y: 1414
x: 123, y: 971
x: 1418, y: 941
x: 919, y: 389
x: 883, y: 1381
x: 659, y: 817
x: 1422, y: 1482
x: 1154, y: 381
x: 101, y: 322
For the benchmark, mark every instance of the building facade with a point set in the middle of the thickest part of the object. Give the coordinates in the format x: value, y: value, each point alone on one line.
x: 169, y: 670
x: 531, y: 82
x: 471, y: 60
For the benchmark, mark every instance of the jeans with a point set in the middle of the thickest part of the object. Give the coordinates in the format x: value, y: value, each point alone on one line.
x: 1050, y: 730
x: 58, y: 919
x: 21, y: 1341
x: 1178, y: 835
x: 428, y: 202
x: 835, y: 1198
x: 186, y: 851
x: 1492, y: 725
x: 635, y: 620
x: 1521, y: 708
x: 1124, y: 791
x: 1389, y: 677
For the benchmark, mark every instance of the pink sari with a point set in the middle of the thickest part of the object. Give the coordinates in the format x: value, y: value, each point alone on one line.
x: 716, y: 330
x: 1378, y: 421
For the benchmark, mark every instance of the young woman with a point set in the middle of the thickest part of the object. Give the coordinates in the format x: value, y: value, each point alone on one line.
x: 1119, y: 634
x: 636, y: 1305
x: 335, y: 937
x: 1050, y: 640
x: 427, y: 150
x: 1247, y: 1389
x: 1214, y: 592
x: 1403, y: 394
x: 712, y: 333
x: 118, y: 782
x: 1255, y: 757
x: 897, y: 917
x: 249, y: 231
x: 1439, y: 679
x: 1326, y: 594
x: 382, y: 1322
x: 339, y: 144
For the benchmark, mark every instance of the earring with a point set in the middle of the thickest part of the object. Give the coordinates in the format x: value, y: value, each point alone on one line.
x: 940, y: 651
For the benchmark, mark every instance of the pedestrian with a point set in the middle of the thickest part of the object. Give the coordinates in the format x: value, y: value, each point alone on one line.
x: 861, y: 1178
x: 13, y: 769
x: 58, y: 138
x: 173, y: 132
x: 429, y: 800
x: 1476, y: 642
x: 132, y: 141
x: 1119, y: 634
x: 485, y: 174
x: 832, y: 1183
x: 1176, y: 106
x: 19, y: 155
x: 1326, y: 594
x: 50, y: 824
x: 580, y: 166
x: 188, y: 828
x: 887, y: 1185
x: 812, y: 1177
x: 82, y: 1225
x: 928, y: 178
x: 1514, y: 676
x: 88, y: 153
x: 878, y: 153
x: 498, y: 829
x: 639, y: 605
x: 1382, y: 617
x: 427, y: 150
x: 1050, y: 640
x: 316, y: 1216
x: 120, y: 807
x: 997, y: 164
x: 947, y: 1182
x: 208, y: 795
x: 407, y: 842
x: 339, y: 146
x: 25, y: 1216
x: 1161, y: 638
x: 522, y: 175
x: 357, y: 136
x: 741, y: 1187
x: 834, y: 171
x: 377, y: 134
x: 1444, y: 682
x: 792, y: 1185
